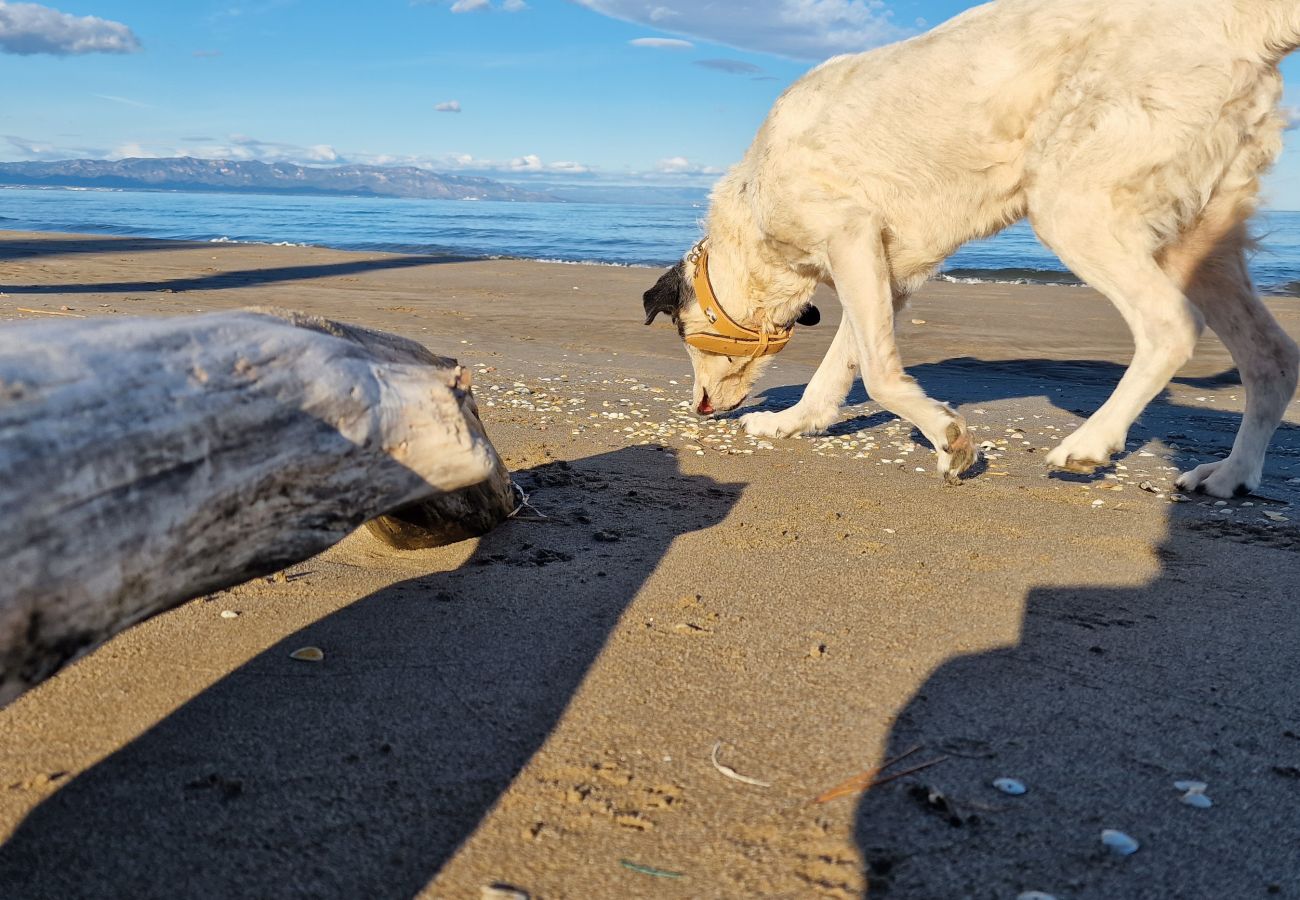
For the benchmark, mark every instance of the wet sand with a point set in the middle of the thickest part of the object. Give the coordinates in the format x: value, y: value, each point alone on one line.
x: 538, y: 708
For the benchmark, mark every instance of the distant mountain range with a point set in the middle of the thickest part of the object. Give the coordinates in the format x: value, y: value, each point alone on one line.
x: 188, y: 174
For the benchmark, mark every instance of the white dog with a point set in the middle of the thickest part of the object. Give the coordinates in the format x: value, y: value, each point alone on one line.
x: 1132, y: 135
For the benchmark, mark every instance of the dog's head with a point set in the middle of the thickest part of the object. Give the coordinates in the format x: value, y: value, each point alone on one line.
x: 722, y: 382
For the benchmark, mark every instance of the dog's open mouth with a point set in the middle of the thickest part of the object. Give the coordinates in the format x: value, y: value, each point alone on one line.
x: 706, y: 407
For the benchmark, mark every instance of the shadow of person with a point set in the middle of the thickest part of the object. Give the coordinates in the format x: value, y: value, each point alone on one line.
x: 1111, y: 696
x: 359, y: 777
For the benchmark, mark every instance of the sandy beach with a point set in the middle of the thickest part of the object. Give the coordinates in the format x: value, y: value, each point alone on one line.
x: 540, y: 708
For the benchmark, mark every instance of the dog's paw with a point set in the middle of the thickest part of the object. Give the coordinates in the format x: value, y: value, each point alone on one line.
x: 1225, y: 478
x: 1083, y: 454
x: 783, y: 424
x: 958, y: 452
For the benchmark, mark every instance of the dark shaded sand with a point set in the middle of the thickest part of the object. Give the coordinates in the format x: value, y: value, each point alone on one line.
x: 539, y: 706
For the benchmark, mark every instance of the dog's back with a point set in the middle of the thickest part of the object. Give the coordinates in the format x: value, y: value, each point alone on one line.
x: 1013, y: 91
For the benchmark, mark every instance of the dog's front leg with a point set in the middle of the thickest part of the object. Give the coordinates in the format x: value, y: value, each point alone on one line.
x: 820, y: 404
x: 860, y: 270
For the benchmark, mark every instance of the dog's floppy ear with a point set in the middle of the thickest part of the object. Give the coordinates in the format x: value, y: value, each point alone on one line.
x: 810, y: 316
x: 665, y: 296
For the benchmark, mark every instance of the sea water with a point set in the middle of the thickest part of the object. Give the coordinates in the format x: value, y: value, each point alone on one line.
x: 624, y: 234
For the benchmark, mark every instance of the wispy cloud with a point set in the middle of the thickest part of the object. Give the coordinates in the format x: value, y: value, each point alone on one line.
x: 28, y: 28
x: 662, y: 43
x: 451, y: 106
x: 799, y: 29
x: 125, y: 101
x: 206, y: 54
x: 468, y: 6
x: 730, y: 66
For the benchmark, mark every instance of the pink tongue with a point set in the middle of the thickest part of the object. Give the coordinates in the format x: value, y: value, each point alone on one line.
x: 706, y: 408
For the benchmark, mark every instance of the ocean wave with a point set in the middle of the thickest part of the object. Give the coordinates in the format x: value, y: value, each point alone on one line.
x: 1052, y: 277
x: 229, y: 240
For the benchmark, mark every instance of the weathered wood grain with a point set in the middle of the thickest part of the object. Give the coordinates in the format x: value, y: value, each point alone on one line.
x: 144, y: 462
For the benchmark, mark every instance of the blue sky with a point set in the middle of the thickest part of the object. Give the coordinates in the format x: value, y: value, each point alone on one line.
x: 631, y: 91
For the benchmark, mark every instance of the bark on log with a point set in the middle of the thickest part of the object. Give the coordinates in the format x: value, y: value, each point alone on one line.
x: 144, y: 462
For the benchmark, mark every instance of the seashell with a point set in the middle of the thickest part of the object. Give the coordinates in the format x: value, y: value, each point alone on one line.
x: 1010, y: 786
x: 1197, y: 800
x: 500, y: 890
x: 308, y: 654
x: 229, y: 614
x: 1034, y: 895
x: 1191, y: 787
x: 1119, y: 843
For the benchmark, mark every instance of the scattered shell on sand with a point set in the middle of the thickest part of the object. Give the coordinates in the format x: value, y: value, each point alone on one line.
x: 1275, y: 517
x: 1034, y: 895
x: 308, y: 654
x: 1194, y: 794
x: 1119, y: 843
x: 501, y: 891
x: 1011, y: 786
x: 229, y: 614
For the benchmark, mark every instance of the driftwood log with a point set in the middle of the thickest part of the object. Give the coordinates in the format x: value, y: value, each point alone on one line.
x: 144, y: 462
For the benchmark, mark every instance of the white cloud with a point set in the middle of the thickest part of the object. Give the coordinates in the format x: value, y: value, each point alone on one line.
x: 530, y: 163
x: 514, y: 6
x: 801, y: 29
x: 452, y: 106
x: 464, y: 6
x: 27, y: 28
x: 662, y: 43
x: 680, y: 165
x: 28, y: 149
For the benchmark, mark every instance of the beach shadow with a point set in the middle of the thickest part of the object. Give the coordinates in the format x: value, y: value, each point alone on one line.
x: 239, y: 279
x: 1107, y: 699
x: 1078, y: 387
x: 14, y: 248
x: 360, y: 776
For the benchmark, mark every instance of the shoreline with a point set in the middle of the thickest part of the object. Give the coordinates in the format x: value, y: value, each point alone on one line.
x: 540, y: 705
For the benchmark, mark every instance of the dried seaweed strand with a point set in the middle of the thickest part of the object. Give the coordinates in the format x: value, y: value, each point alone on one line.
x: 873, y: 779
x: 732, y: 773
x: 650, y: 870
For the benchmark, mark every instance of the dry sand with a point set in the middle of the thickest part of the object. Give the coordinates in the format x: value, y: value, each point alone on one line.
x: 538, y: 707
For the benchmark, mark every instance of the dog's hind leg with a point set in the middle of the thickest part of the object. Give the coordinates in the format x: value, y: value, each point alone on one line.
x: 1112, y: 252
x: 820, y: 404
x: 860, y: 270
x: 1211, y: 261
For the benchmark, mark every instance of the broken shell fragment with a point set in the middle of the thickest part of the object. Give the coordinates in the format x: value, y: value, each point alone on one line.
x: 1119, y: 843
x: 1034, y: 895
x: 1193, y: 787
x: 1010, y: 786
x: 1197, y: 799
x: 308, y: 654
x: 229, y: 614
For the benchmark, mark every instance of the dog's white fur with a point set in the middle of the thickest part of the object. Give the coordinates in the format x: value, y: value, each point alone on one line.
x: 1132, y: 135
